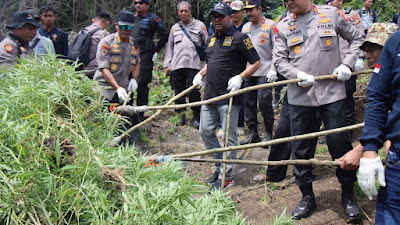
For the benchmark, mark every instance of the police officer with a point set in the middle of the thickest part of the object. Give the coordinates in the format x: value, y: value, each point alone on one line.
x: 42, y: 46
x: 228, y: 51
x: 24, y: 25
x: 349, y: 105
x: 100, y: 23
x: 259, y: 29
x: 146, y: 24
x: 49, y: 30
x: 307, y: 46
x: 381, y: 123
x: 181, y: 57
x: 118, y: 62
x: 368, y: 15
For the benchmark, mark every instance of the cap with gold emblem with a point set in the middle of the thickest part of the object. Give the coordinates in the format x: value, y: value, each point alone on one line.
x: 19, y: 19
x: 252, y: 3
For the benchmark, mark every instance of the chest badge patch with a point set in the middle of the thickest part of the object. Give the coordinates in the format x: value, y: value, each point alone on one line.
x: 327, y: 32
x: 54, y: 37
x: 324, y: 21
x: 297, y: 49
x: 265, y: 26
x: 115, y: 45
x: 248, y: 43
x: 292, y: 28
x: 8, y: 48
x: 228, y: 41
x: 116, y: 50
x: 212, y: 42
x: 294, y: 40
x: 328, y: 42
x: 322, y: 15
x: 291, y: 23
x: 263, y: 35
x: 113, y: 66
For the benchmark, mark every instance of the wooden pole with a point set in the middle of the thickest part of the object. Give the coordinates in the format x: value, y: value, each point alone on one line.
x: 303, y: 162
x: 126, y: 110
x: 228, y: 126
x: 117, y: 140
x: 272, y: 142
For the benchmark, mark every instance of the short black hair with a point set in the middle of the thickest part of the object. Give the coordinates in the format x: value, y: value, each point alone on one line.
x: 46, y: 9
x: 103, y: 14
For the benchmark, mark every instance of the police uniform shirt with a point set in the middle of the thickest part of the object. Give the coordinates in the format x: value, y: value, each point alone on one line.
x: 262, y: 37
x: 180, y: 50
x: 227, y: 56
x: 13, y: 48
x: 367, y: 17
x: 355, y: 20
x: 94, y: 41
x: 42, y: 45
x: 119, y: 58
x: 309, y: 43
x: 59, y: 39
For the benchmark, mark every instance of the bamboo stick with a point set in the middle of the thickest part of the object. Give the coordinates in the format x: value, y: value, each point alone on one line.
x: 228, y: 127
x: 115, y: 141
x: 125, y: 110
x: 303, y: 162
x: 272, y: 142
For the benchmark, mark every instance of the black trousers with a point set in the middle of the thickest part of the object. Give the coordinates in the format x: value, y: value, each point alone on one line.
x: 264, y: 98
x: 144, y: 79
x: 283, y: 151
x: 349, y: 104
x: 302, y: 121
x: 182, y: 79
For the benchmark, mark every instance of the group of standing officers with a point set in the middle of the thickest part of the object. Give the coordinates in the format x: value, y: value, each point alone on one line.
x: 310, y: 41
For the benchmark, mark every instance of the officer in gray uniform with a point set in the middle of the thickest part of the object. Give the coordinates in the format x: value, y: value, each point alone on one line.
x: 307, y: 46
x: 118, y: 65
x: 259, y: 29
x: 42, y: 45
x: 99, y: 25
x: 16, y: 45
x: 181, y: 58
x: 354, y: 18
x: 146, y: 24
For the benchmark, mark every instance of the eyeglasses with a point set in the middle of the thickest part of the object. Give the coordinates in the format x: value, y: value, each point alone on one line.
x: 123, y: 27
x: 218, y: 16
x: 140, y: 3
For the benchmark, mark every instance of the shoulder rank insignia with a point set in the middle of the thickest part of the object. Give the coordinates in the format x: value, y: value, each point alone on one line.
x: 324, y: 21
x: 315, y: 8
x: 292, y: 28
x: 342, y: 14
x: 8, y: 48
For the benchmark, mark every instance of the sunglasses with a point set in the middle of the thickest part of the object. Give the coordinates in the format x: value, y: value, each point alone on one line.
x: 219, y: 16
x: 140, y: 3
x: 123, y: 27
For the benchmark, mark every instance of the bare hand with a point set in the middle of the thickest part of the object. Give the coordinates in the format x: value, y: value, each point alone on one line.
x: 351, y: 160
x: 168, y: 70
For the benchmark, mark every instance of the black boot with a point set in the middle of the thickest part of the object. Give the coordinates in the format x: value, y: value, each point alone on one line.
x: 252, y: 138
x: 349, y: 203
x: 182, y: 120
x: 196, y: 120
x: 213, y: 178
x: 307, y: 203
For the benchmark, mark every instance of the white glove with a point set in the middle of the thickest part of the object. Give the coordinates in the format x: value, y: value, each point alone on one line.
x: 359, y: 64
x: 122, y: 95
x: 307, y: 79
x: 343, y: 72
x: 198, y: 79
x: 132, y: 85
x: 154, y: 57
x: 272, y: 76
x: 235, y: 83
x: 366, y: 175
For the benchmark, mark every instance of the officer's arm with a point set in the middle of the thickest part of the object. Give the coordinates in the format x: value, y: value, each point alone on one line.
x: 135, y: 70
x: 169, y: 49
x: 250, y: 69
x: 8, y: 54
x: 203, y: 71
x: 353, y: 36
x: 163, y: 34
x: 110, y: 78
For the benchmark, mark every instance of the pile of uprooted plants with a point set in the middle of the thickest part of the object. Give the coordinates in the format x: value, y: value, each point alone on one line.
x: 57, y: 165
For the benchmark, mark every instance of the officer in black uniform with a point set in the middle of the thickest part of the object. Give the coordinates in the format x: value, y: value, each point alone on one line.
x: 146, y: 24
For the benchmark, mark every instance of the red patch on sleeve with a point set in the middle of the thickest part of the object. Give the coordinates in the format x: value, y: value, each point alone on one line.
x: 377, y: 68
x: 8, y: 48
x: 158, y: 20
x: 355, y: 18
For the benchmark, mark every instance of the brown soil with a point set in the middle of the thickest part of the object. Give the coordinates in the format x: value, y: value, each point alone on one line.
x: 260, y: 203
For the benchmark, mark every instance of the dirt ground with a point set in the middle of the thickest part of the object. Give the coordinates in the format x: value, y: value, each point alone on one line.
x: 260, y: 203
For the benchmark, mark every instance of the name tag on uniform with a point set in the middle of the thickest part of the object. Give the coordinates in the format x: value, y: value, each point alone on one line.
x: 228, y: 41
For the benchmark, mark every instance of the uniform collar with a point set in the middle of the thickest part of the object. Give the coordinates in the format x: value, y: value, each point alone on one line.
x: 18, y: 40
x: 144, y: 14
x: 314, y: 10
x: 190, y: 22
x: 119, y: 39
x: 229, y: 32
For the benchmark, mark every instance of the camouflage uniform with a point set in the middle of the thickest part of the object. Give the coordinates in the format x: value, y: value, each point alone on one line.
x: 378, y: 33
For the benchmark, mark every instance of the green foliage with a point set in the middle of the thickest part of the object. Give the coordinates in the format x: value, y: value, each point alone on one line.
x: 282, y: 220
x: 160, y: 90
x: 58, y: 168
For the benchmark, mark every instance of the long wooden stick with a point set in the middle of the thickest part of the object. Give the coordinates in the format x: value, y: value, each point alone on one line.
x: 272, y: 142
x: 303, y: 162
x: 125, y: 110
x: 228, y: 127
x: 118, y: 139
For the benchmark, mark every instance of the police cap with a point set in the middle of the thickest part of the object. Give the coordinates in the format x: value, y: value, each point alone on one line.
x: 252, y: 3
x: 125, y: 17
x: 222, y: 8
x: 19, y: 19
